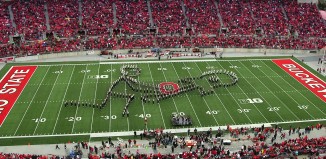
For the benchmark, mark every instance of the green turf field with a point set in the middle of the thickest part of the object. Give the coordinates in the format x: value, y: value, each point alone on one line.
x: 264, y: 94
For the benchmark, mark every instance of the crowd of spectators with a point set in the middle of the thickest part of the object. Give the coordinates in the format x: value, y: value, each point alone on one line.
x: 97, y: 17
x: 132, y: 16
x: 202, y: 15
x: 275, y: 22
x: 5, y: 24
x: 305, y: 19
x: 209, y: 144
x: 262, y: 142
x: 29, y: 18
x: 26, y: 156
x: 237, y: 17
x: 63, y: 17
x: 168, y: 16
x: 267, y: 42
x: 269, y: 18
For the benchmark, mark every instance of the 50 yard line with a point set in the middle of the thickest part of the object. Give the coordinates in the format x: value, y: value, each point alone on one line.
x: 186, y: 95
x: 64, y: 96
x: 31, y: 101
x: 159, y: 105
x: 202, y: 98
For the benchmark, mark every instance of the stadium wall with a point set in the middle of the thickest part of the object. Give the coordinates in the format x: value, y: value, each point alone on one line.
x: 307, y: 1
x: 125, y: 51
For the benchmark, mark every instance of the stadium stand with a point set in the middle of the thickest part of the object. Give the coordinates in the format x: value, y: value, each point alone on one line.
x: 97, y: 17
x: 305, y: 19
x: 202, y: 16
x: 5, y: 24
x: 63, y: 17
x: 29, y: 19
x: 132, y: 17
x: 168, y: 17
x: 112, y: 24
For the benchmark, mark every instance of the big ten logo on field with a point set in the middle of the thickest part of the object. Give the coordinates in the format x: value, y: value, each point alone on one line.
x: 98, y: 76
x: 250, y: 101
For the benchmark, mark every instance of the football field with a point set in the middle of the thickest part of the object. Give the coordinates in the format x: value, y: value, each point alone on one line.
x: 264, y: 93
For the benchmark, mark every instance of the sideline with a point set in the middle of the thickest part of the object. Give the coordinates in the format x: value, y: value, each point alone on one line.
x: 181, y: 130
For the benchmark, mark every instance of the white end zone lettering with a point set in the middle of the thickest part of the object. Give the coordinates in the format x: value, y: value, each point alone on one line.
x: 12, y: 84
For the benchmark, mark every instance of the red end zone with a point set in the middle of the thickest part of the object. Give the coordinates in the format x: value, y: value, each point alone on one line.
x: 306, y: 78
x: 11, y: 86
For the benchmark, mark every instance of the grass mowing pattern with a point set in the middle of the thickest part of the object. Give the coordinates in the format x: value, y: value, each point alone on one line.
x: 274, y: 94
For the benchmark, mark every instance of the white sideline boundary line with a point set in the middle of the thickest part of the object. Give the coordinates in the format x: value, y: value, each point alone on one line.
x: 162, y: 61
x: 181, y: 130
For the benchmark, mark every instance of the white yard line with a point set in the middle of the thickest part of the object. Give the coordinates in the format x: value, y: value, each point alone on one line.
x: 175, y: 105
x: 285, y: 93
x: 47, y: 101
x: 126, y: 102
x: 142, y: 103
x: 259, y: 93
x: 247, y: 96
x: 159, y: 105
x: 81, y: 90
x: 110, y: 104
x: 31, y: 101
x: 218, y: 98
x: 64, y: 96
x: 234, y: 97
x: 186, y: 94
x: 181, y: 130
x: 272, y: 91
x: 98, y: 72
x: 202, y: 97
x: 298, y: 90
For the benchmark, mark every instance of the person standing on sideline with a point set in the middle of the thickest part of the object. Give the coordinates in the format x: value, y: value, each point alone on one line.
x: 57, y: 147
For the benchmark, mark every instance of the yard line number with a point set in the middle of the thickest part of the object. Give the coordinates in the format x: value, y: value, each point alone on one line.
x: 186, y: 68
x: 144, y: 115
x: 175, y: 114
x: 273, y: 109
x: 212, y: 112
x: 110, y: 70
x: 244, y: 110
x: 41, y: 120
x: 108, y: 117
x: 74, y: 118
x: 162, y: 69
x: 303, y: 107
x: 85, y: 71
x: 234, y: 67
x: 58, y: 72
